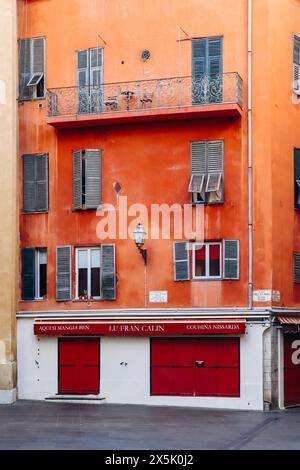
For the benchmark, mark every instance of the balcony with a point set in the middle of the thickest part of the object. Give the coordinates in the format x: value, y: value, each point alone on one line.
x: 146, y: 100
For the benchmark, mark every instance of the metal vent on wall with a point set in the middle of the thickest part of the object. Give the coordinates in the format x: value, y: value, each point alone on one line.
x: 145, y: 55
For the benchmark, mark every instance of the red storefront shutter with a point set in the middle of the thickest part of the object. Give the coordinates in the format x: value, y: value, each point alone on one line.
x: 172, y: 367
x: 291, y: 369
x: 79, y: 366
x: 195, y: 367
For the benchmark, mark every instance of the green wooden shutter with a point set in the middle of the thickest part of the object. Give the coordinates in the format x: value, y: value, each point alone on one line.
x: 38, y: 61
x: 83, y: 80
x: 297, y: 178
x: 41, y: 172
x: 92, y: 179
x: 77, y: 180
x: 296, y: 63
x: 108, y: 272
x: 96, y: 80
x: 24, y: 68
x: 199, y: 70
x: 199, y: 57
x: 215, y: 172
x: 215, y: 56
x: 198, y: 158
x: 181, y: 261
x: 63, y: 273
x: 29, y: 183
x: 231, y: 259
x: 296, y: 268
x: 28, y: 274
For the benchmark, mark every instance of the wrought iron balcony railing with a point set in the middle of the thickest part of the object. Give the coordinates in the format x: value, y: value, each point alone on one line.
x: 165, y: 93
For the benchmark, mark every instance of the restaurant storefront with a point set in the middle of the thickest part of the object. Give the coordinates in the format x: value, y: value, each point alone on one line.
x: 205, y: 362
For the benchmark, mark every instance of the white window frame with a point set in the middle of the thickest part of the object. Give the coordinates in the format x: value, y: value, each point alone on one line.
x: 37, y: 254
x: 207, y: 248
x: 89, y: 249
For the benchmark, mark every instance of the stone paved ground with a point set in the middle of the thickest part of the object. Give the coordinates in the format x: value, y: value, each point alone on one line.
x: 39, y: 425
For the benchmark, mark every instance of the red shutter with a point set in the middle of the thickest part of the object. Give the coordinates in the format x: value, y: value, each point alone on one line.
x: 195, y: 367
x: 79, y: 366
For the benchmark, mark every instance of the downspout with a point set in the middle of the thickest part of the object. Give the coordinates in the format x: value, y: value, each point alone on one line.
x: 250, y: 169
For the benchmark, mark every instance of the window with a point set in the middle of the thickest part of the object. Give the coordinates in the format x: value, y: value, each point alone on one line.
x: 207, y: 67
x: 32, y: 68
x: 207, y: 261
x: 210, y: 260
x: 35, y: 183
x: 95, y: 273
x: 207, y: 172
x: 34, y: 273
x: 89, y: 80
x: 297, y: 179
x: 88, y: 266
x: 296, y: 64
x: 86, y: 179
x: 296, y: 268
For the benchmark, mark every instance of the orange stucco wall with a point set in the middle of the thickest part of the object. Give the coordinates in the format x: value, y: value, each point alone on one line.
x: 150, y: 160
x: 275, y: 134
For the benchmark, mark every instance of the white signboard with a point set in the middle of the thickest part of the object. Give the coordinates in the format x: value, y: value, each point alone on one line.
x: 262, y: 296
x: 158, y: 296
x: 276, y: 296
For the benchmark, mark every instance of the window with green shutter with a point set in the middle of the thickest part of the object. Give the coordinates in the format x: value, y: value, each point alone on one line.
x: 296, y: 64
x: 296, y: 267
x: 34, y: 273
x: 87, y: 179
x: 35, y: 183
x: 32, y: 68
x: 90, y: 80
x: 207, y: 69
x: 297, y: 179
x: 207, y: 172
x: 218, y: 260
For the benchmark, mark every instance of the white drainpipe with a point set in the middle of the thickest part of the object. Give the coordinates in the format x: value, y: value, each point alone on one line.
x: 250, y: 170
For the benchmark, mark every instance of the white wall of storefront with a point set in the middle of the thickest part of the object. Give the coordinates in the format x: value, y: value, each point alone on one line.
x: 125, y: 370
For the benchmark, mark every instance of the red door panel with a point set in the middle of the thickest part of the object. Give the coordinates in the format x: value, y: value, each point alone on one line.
x: 162, y: 353
x: 79, y: 366
x: 68, y: 379
x: 219, y: 352
x: 172, y: 381
x: 292, y: 370
x: 228, y: 382
x: 205, y: 382
x: 195, y: 367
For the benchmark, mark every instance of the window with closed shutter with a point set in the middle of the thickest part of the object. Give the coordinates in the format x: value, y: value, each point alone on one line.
x: 181, y: 261
x: 35, y: 183
x: 296, y: 64
x: 87, y: 179
x: 90, y: 80
x: 63, y: 273
x: 207, y: 69
x: 34, y: 273
x: 207, y: 172
x: 32, y: 68
x: 231, y: 259
x: 297, y: 179
x: 296, y: 268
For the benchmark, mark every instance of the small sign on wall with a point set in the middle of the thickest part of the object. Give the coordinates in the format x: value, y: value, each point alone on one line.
x: 158, y: 296
x: 262, y: 296
x: 266, y: 296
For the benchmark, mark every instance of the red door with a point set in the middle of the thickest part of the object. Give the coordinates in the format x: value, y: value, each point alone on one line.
x: 292, y: 370
x: 195, y: 367
x: 217, y: 368
x: 79, y: 366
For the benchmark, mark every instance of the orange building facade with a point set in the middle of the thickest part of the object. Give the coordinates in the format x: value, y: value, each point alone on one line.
x: 124, y: 103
